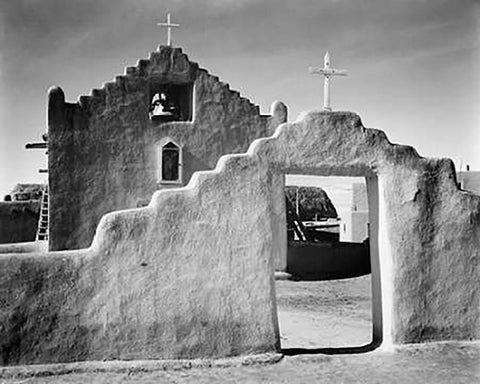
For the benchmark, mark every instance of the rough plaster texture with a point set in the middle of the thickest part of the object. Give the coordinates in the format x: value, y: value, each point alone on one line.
x: 191, y: 275
x: 103, y: 150
x: 18, y: 221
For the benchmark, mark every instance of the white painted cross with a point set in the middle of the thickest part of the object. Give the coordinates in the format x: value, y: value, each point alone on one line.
x: 327, y: 72
x: 169, y: 26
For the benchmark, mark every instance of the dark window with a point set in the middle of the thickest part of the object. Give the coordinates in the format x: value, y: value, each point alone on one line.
x: 170, y: 162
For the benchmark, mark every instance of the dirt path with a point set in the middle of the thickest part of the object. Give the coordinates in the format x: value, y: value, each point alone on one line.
x: 319, y: 314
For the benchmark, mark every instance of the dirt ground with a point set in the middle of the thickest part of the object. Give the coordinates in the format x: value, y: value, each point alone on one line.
x: 318, y: 314
x: 314, y: 315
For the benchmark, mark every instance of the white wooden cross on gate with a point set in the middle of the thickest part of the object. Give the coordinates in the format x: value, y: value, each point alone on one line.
x: 327, y: 72
x: 169, y: 26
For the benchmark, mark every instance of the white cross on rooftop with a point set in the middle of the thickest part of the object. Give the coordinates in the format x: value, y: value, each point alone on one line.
x: 169, y: 26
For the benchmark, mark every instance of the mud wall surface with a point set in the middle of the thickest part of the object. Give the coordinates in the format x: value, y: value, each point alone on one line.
x: 18, y: 221
x: 192, y: 274
x: 168, y: 285
x: 104, y: 149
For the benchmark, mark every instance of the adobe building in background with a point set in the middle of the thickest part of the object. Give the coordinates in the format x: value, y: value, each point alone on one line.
x: 150, y: 129
x: 469, y: 180
x: 19, y: 213
x: 354, y: 225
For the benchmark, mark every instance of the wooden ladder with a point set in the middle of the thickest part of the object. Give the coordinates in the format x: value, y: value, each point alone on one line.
x: 293, y: 221
x: 42, y: 229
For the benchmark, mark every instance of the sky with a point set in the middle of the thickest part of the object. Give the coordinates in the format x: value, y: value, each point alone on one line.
x: 413, y: 64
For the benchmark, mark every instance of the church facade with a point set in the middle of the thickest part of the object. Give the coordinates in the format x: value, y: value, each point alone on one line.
x: 150, y: 129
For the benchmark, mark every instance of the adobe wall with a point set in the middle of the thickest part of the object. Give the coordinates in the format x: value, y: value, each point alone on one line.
x: 103, y: 150
x: 359, y: 213
x: 327, y: 261
x: 469, y: 181
x: 25, y: 247
x: 18, y: 221
x: 191, y: 275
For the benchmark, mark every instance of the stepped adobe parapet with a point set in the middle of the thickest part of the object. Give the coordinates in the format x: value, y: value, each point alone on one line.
x: 150, y: 128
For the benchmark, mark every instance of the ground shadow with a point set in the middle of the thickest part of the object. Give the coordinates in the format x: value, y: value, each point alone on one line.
x: 331, y: 351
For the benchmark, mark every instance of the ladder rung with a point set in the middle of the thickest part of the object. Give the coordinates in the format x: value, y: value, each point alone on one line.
x: 42, y: 229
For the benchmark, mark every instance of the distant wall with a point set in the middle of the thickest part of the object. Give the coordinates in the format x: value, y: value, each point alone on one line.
x: 192, y: 274
x: 354, y: 226
x: 359, y: 197
x: 327, y: 261
x: 103, y: 150
x: 18, y: 221
x: 469, y: 181
x: 359, y: 226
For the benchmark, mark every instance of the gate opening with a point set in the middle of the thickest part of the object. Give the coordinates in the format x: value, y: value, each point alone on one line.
x: 326, y: 300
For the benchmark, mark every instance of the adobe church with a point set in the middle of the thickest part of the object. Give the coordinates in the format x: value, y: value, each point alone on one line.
x: 150, y: 129
x: 168, y: 271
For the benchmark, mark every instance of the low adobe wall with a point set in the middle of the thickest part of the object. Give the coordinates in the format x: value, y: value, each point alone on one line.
x: 25, y: 247
x: 173, y: 280
x: 18, y: 221
x: 327, y: 260
x: 192, y: 275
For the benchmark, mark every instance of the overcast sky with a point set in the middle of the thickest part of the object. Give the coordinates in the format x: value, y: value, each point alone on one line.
x: 413, y: 64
